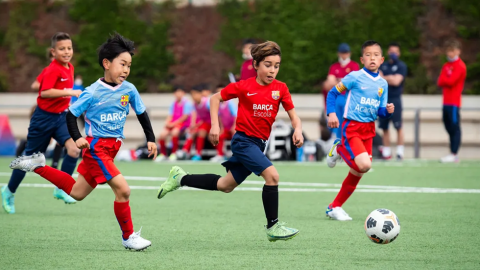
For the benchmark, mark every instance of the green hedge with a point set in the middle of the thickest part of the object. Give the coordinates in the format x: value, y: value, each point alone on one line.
x: 309, y: 32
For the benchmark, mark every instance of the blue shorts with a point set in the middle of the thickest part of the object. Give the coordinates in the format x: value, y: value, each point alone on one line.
x: 43, y: 127
x: 247, y: 157
x: 339, y: 109
x: 396, y: 117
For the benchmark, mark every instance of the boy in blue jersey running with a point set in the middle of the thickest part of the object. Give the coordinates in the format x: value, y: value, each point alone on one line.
x: 106, y: 103
x: 366, y: 94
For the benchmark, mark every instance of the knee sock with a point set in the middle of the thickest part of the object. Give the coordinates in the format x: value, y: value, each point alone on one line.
x: 68, y: 165
x: 270, y: 204
x: 220, y: 144
x: 163, y: 147
x: 348, y: 187
x: 188, y: 145
x: 199, y: 145
x: 200, y: 181
x: 60, y: 179
x: 124, y: 218
x: 15, y: 180
x: 57, y: 154
x: 174, y: 144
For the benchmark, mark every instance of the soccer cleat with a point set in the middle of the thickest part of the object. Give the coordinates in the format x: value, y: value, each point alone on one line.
x: 62, y: 195
x: 172, y: 157
x: 196, y: 158
x: 217, y: 158
x: 28, y: 163
x: 136, y: 242
x: 333, y: 156
x: 8, y: 200
x: 280, y: 232
x: 161, y: 158
x: 399, y: 158
x: 449, y: 159
x: 337, y: 213
x: 173, y: 181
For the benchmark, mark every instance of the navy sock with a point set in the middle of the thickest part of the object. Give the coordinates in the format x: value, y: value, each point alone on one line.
x: 270, y: 204
x: 201, y: 181
x: 15, y: 180
x: 69, y: 163
x: 57, y: 154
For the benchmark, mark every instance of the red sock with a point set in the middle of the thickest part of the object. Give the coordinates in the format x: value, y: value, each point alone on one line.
x: 199, y: 144
x: 221, y: 141
x: 174, y: 144
x: 62, y: 180
x: 348, y: 187
x: 163, y: 148
x: 124, y: 218
x: 188, y: 145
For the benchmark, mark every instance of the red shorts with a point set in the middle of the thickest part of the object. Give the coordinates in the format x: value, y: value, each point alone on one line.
x: 180, y: 127
x: 97, y: 165
x: 204, y: 126
x: 357, y: 138
x: 227, y: 134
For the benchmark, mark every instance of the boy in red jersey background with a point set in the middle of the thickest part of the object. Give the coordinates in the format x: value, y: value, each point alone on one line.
x: 48, y: 120
x: 259, y: 101
x: 452, y: 81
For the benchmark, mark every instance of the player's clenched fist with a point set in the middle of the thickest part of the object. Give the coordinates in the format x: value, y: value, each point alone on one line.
x: 214, y: 134
x: 390, y: 108
x: 332, y: 120
x: 82, y: 143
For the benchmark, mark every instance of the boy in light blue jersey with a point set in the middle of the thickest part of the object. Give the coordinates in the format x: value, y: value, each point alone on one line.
x: 366, y: 98
x: 106, y: 104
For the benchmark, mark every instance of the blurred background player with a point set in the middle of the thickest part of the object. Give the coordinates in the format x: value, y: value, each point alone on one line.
x: 247, y: 70
x: 106, y: 104
x: 206, y: 90
x: 367, y: 95
x: 394, y: 71
x: 177, y: 121
x: 227, y: 112
x: 48, y: 120
x: 452, y: 80
x: 200, y: 123
x: 259, y: 101
x: 337, y: 72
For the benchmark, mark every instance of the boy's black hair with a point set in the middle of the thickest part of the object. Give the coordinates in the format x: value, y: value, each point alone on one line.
x: 59, y: 36
x: 394, y: 44
x: 177, y: 87
x: 205, y: 86
x: 369, y: 43
x: 249, y: 41
x: 115, y: 45
x: 197, y: 88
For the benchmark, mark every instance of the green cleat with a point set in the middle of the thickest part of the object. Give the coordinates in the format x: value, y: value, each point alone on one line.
x: 62, y: 195
x: 173, y: 181
x: 280, y: 232
x: 8, y: 200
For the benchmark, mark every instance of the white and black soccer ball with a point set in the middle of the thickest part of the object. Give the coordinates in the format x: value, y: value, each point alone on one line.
x: 382, y: 226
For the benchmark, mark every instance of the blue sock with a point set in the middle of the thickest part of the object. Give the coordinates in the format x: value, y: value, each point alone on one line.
x: 15, y: 180
x: 69, y: 163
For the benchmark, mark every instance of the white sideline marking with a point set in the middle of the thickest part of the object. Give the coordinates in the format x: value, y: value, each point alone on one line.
x: 359, y: 189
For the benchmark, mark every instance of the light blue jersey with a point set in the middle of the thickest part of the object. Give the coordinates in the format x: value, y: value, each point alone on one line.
x: 107, y: 107
x: 366, y: 92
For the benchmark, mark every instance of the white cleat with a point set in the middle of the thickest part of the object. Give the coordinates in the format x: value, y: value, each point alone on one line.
x: 217, y: 158
x: 449, y: 159
x: 136, y: 242
x: 173, y: 157
x: 28, y: 163
x: 338, y: 213
x: 161, y: 158
x: 333, y: 156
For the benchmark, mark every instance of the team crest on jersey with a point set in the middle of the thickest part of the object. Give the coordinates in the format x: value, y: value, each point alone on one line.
x: 124, y: 100
x: 275, y: 95
x: 347, y: 70
x: 380, y: 92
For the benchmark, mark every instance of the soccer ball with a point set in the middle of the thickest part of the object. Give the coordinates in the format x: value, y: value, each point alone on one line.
x: 382, y: 226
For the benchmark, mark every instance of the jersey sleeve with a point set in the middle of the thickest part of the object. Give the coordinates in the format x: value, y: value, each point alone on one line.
x: 82, y: 104
x: 346, y: 83
x: 384, y: 99
x: 233, y: 109
x: 330, y: 70
x: 136, y: 102
x: 402, y: 70
x: 355, y: 66
x: 229, y: 92
x: 49, y: 79
x: 187, y: 108
x: 170, y: 110
x: 40, y: 76
x: 287, y: 102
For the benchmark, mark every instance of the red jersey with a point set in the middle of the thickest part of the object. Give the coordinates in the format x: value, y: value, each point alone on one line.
x: 258, y: 105
x: 452, y: 79
x: 247, y: 70
x: 55, y: 76
x: 40, y: 76
x: 340, y: 72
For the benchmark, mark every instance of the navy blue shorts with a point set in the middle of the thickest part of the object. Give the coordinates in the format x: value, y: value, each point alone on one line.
x: 43, y: 127
x: 247, y: 157
x: 396, y: 117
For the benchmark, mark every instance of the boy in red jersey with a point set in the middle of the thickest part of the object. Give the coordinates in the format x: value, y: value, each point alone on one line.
x: 452, y: 81
x: 48, y: 120
x: 259, y: 101
x: 106, y: 104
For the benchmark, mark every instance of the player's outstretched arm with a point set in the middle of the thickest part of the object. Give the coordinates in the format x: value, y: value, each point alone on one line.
x: 56, y: 93
x: 332, y: 116
x: 214, y: 107
x: 297, y: 126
